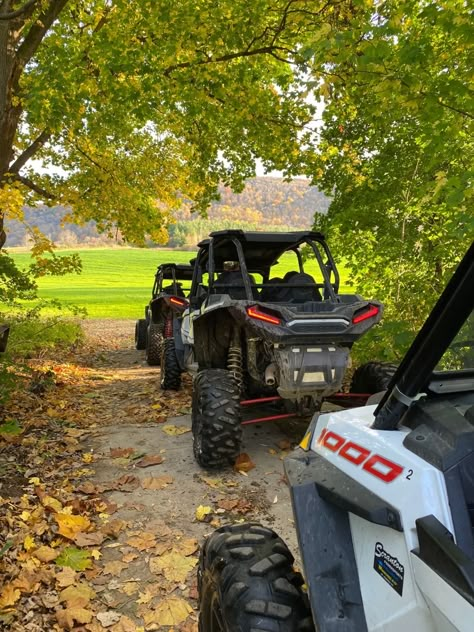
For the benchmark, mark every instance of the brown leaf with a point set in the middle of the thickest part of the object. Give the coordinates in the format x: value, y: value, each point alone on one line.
x: 88, y: 488
x: 9, y: 596
x: 67, y: 617
x: 174, y: 566
x: 186, y: 547
x: 114, y: 568
x: 65, y: 577
x: 108, y: 618
x: 129, y: 557
x: 89, y: 539
x: 46, y: 553
x: 127, y: 483
x: 121, y: 453
x: 227, y: 504
x: 142, y: 540
x: 113, y: 527
x: 156, y: 482
x: 284, y: 444
x: 155, y: 459
x: 171, y: 611
x: 77, y: 596
x: 124, y: 625
x: 243, y: 463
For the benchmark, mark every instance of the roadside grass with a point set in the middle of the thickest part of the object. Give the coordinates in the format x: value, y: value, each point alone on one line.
x: 117, y: 282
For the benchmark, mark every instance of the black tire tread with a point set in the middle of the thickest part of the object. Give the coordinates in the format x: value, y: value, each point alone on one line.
x: 270, y: 601
x: 140, y: 334
x: 372, y: 377
x: 170, y: 369
x: 154, y: 344
x: 217, y: 430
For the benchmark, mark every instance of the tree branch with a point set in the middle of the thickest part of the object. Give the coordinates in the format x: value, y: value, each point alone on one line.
x: 38, y: 30
x: 34, y: 187
x: 16, y: 14
x: 29, y: 152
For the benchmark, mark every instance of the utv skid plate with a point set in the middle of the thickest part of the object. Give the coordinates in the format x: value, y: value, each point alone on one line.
x: 345, y: 400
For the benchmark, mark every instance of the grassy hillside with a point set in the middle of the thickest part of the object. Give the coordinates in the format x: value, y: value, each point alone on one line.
x: 116, y: 283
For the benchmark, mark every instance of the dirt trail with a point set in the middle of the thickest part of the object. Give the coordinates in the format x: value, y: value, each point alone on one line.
x: 147, y: 504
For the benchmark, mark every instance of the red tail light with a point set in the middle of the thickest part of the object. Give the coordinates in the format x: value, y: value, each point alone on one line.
x: 370, y: 312
x: 254, y: 312
x: 178, y: 301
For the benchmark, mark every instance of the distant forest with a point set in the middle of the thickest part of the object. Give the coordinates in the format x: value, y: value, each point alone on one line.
x: 266, y: 203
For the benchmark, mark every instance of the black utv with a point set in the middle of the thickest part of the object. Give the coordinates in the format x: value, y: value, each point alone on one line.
x: 266, y: 324
x: 168, y: 297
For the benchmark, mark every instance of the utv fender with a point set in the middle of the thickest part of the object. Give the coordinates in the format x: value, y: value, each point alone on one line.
x: 212, y: 337
x: 322, y: 498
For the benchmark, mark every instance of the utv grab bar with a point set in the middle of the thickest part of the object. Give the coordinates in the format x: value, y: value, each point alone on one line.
x: 441, y: 327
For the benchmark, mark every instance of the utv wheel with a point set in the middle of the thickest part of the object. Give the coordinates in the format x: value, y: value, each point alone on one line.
x: 170, y: 369
x: 154, y: 344
x: 246, y: 582
x: 140, y: 334
x: 216, y: 418
x: 372, y: 377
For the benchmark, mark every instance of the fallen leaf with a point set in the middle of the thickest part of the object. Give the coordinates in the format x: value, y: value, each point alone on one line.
x: 67, y: 617
x: 174, y: 431
x: 108, y: 618
x: 174, y: 566
x: 284, y: 444
x: 227, y: 504
x: 243, y: 463
x: 29, y: 543
x: 202, y: 511
x: 77, y: 559
x: 9, y: 596
x: 126, y: 625
x: 142, y: 540
x: 66, y: 577
x: 89, y: 539
x: 156, y: 482
x: 121, y: 453
x: 129, y: 557
x: 114, y: 568
x: 70, y: 525
x: 46, y: 554
x: 49, y: 501
x: 188, y: 546
x: 150, y: 460
x: 171, y: 611
x: 77, y: 596
x: 88, y: 488
x: 129, y: 588
x: 215, y: 483
x: 126, y: 483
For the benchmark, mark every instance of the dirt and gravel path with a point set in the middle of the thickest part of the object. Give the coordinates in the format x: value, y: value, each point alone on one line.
x: 122, y: 509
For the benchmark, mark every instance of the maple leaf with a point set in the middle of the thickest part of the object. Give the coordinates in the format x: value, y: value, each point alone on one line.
x: 46, y: 554
x: 67, y: 617
x: 174, y: 566
x: 215, y: 483
x: 243, y: 463
x: 126, y: 625
x: 202, y: 511
x: 156, y: 482
x: 108, y: 618
x: 171, y: 611
x: 121, y: 453
x: 70, y: 525
x: 114, y: 568
x: 77, y: 596
x: 66, y: 577
x: 89, y: 539
x: 74, y: 558
x: 142, y: 541
x: 147, y: 461
x: 9, y: 596
x: 188, y: 546
x: 174, y: 431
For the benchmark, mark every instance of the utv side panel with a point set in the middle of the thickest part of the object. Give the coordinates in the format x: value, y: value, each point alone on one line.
x: 325, y: 543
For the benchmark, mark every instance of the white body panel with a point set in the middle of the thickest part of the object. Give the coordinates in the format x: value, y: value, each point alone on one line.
x: 416, y: 490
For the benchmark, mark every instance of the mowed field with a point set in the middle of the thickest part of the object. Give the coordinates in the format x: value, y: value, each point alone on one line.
x: 117, y: 282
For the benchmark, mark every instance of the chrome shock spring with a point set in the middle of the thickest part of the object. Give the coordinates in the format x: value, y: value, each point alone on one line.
x: 234, y: 365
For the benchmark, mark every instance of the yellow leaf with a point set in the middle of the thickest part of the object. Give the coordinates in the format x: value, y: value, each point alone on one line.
x: 46, y: 554
x: 202, y: 512
x: 156, y: 482
x: 142, y: 541
x: 77, y: 596
x: 171, y: 611
x: 70, y: 525
x: 66, y: 577
x: 28, y: 543
x: 174, y: 566
x: 215, y: 483
x: 88, y: 457
x: 172, y: 430
x: 243, y: 463
x: 67, y: 617
x: 49, y: 501
x: 9, y: 596
x: 34, y: 480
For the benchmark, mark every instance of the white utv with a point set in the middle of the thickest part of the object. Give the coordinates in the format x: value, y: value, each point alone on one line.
x: 383, y: 502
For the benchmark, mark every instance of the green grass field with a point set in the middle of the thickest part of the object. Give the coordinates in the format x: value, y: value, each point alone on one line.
x: 117, y: 282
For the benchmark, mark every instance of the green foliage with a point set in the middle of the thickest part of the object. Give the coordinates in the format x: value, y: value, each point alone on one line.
x: 77, y: 559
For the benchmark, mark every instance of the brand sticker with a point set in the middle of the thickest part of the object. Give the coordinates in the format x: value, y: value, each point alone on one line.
x: 389, y: 568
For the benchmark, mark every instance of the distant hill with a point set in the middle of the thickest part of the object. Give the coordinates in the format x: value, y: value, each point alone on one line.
x: 265, y: 203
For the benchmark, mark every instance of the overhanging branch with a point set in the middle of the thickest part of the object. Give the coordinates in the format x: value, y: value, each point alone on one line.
x: 34, y: 187
x: 29, y: 152
x: 18, y: 12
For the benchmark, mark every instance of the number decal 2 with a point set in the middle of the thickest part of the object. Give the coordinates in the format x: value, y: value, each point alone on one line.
x: 409, y: 475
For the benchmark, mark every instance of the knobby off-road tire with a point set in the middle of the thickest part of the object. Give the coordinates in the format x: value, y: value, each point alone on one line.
x: 154, y: 344
x: 170, y: 369
x: 372, y: 377
x: 140, y: 334
x: 246, y: 583
x: 216, y: 418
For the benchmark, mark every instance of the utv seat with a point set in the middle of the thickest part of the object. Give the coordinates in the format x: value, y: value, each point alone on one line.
x: 170, y: 290
x: 232, y: 283
x: 268, y: 293
x: 301, y: 288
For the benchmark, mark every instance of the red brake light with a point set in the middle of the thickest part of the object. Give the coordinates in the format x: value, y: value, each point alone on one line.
x: 254, y: 312
x: 178, y: 301
x: 373, y: 310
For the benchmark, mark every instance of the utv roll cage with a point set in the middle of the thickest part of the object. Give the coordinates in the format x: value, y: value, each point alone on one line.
x: 256, y: 254
x: 174, y: 272
x: 416, y: 372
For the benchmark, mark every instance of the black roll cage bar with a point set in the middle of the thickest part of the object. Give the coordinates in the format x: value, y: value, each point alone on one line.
x: 160, y: 277
x: 330, y: 289
x: 441, y: 327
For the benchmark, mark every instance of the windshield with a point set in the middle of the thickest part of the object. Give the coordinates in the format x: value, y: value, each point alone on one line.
x: 460, y: 353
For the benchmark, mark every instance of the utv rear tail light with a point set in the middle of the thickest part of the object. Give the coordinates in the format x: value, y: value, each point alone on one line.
x: 178, y: 301
x: 369, y: 312
x: 254, y: 312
